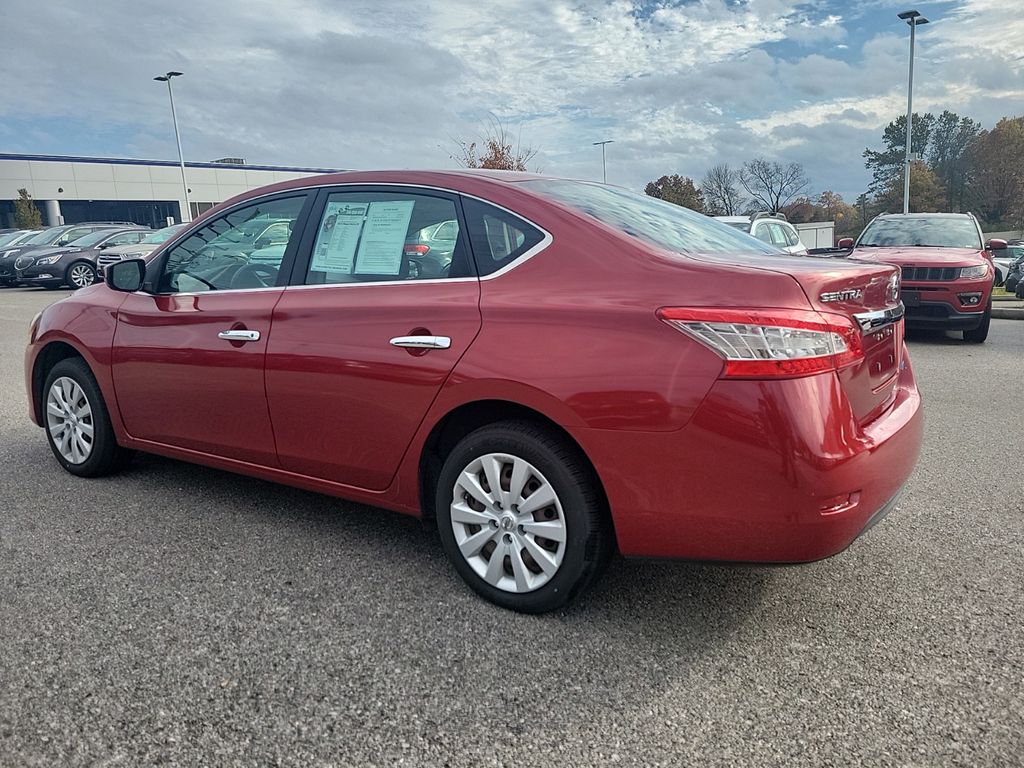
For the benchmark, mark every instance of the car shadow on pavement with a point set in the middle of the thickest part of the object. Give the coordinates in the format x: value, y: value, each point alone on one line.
x: 937, y: 337
x: 647, y: 596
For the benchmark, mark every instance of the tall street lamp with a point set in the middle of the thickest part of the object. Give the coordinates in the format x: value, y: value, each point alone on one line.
x: 186, y: 215
x: 604, y: 166
x: 914, y: 19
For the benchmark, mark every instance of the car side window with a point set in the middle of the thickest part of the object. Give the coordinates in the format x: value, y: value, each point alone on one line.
x: 763, y: 233
x: 126, y: 238
x: 73, y: 234
x: 778, y: 235
x: 498, y: 237
x: 792, y: 238
x: 241, y: 249
x: 387, y: 237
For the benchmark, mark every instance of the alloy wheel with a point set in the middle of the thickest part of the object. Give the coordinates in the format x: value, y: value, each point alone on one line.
x: 82, y: 275
x: 70, y: 421
x: 508, y: 522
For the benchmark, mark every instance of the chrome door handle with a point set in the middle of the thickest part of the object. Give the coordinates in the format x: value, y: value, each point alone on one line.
x: 239, y: 335
x: 422, y: 342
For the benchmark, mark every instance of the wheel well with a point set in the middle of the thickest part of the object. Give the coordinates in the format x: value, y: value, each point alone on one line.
x: 469, y: 417
x: 52, y: 354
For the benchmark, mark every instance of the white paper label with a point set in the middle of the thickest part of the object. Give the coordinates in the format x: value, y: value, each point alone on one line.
x: 335, y: 246
x: 382, y: 247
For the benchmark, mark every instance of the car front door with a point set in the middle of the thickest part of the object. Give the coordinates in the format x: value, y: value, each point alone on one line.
x: 188, y: 356
x: 363, y: 340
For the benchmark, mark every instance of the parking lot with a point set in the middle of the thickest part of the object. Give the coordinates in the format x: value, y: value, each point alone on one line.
x: 184, y: 615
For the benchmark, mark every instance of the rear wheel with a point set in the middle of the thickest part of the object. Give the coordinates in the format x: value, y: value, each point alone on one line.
x: 521, y: 518
x: 80, y: 274
x: 979, y: 334
x: 77, y: 423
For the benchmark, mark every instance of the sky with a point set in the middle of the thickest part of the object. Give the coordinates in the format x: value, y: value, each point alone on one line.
x: 677, y: 86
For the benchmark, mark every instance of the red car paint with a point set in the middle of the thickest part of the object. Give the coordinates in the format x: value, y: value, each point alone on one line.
x: 693, y: 464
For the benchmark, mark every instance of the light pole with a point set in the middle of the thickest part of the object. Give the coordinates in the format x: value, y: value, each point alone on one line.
x: 604, y: 166
x: 186, y: 215
x: 914, y: 19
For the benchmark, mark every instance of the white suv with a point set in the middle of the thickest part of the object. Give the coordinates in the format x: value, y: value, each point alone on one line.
x: 771, y: 228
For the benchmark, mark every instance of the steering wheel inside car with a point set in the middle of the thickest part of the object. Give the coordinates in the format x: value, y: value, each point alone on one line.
x: 254, y: 276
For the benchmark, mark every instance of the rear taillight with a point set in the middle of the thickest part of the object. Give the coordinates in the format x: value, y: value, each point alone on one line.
x: 417, y: 250
x: 771, y: 343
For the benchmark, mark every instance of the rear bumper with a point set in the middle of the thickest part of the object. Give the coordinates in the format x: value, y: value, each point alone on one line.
x: 767, y: 471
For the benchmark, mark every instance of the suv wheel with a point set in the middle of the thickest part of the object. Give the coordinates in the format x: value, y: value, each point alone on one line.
x: 521, y: 518
x: 979, y: 334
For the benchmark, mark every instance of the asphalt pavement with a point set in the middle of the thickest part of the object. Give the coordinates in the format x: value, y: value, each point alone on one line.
x: 185, y: 616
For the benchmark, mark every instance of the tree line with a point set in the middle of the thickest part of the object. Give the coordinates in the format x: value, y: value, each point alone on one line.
x: 959, y: 167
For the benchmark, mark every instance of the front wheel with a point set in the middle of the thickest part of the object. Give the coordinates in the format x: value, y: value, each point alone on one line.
x: 77, y: 424
x: 521, y: 517
x: 979, y: 334
x: 80, y: 275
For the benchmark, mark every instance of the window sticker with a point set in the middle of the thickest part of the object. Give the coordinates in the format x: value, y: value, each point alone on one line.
x: 336, y: 242
x: 381, y: 249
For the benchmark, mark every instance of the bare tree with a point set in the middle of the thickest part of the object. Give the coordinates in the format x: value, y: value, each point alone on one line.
x: 772, y: 185
x: 494, y: 149
x: 721, y: 190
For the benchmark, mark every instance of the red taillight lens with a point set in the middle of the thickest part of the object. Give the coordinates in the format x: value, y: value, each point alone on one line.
x: 771, y: 343
x: 417, y: 250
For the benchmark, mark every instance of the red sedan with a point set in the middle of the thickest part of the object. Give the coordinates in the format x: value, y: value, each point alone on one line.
x: 576, y: 370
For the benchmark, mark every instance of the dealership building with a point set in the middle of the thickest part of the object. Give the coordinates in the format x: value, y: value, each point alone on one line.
x: 69, y: 190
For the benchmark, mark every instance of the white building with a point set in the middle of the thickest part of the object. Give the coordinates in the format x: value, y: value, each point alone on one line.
x: 74, y: 189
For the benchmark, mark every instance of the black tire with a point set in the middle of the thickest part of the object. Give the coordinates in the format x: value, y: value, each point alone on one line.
x: 1019, y: 293
x: 979, y: 334
x: 78, y: 265
x: 588, y: 531
x: 106, y: 456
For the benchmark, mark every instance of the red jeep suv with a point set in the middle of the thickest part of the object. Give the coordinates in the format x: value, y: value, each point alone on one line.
x: 947, y: 273
x: 587, y: 369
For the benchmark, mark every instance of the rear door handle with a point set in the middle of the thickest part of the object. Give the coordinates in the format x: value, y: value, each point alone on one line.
x: 422, y: 342
x: 239, y: 335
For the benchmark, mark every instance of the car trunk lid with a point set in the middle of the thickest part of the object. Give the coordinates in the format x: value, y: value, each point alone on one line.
x: 866, y: 294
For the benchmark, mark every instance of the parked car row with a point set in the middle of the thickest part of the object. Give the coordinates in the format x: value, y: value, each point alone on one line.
x: 70, y: 255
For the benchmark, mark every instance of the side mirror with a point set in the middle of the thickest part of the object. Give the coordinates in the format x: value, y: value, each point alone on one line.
x: 845, y: 242
x: 104, y: 246
x: 126, y: 276
x: 995, y: 244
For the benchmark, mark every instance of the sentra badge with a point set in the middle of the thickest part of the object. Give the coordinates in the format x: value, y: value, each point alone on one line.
x: 851, y: 294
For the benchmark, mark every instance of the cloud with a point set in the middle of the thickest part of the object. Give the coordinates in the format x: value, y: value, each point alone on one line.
x: 678, y: 86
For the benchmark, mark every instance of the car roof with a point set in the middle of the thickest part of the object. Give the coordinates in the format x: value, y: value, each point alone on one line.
x: 926, y: 215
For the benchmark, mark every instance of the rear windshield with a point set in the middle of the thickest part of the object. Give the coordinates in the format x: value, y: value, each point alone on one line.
x: 664, y: 224
x: 942, y: 232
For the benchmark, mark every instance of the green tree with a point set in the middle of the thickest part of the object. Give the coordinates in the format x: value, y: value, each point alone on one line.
x: 26, y: 214
x: 887, y: 165
x: 927, y: 194
x: 677, y: 189
x: 949, y: 156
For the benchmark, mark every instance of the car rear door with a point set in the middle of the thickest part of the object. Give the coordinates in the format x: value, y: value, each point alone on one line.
x: 363, y: 339
x: 188, y: 357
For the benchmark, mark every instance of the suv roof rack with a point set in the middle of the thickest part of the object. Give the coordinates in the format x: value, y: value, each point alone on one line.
x: 769, y: 215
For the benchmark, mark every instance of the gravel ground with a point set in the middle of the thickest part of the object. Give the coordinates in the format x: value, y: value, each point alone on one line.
x: 181, y: 615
